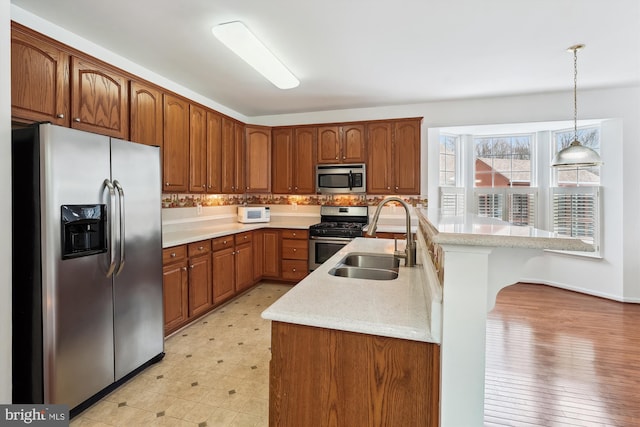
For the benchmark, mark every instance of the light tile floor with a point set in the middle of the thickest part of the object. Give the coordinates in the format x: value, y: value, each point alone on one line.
x: 215, y: 373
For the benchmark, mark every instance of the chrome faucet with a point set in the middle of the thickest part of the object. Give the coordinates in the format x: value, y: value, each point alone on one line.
x: 410, y: 250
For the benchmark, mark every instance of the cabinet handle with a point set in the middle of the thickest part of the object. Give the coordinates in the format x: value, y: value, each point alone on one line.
x: 388, y: 188
x: 191, y: 266
x: 209, y: 186
x: 294, y: 249
x: 246, y: 237
x: 184, y: 268
x: 203, y: 186
x: 60, y: 116
x: 337, y: 157
x: 200, y: 248
x: 294, y: 270
x: 76, y: 119
x: 396, y: 187
x: 173, y: 254
x: 294, y: 234
x: 166, y: 184
x: 224, y: 242
x: 296, y: 188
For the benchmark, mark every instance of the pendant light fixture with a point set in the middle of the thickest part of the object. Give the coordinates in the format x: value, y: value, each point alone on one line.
x: 576, y: 155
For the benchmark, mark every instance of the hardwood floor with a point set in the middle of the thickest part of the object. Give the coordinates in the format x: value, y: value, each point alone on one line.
x: 560, y: 358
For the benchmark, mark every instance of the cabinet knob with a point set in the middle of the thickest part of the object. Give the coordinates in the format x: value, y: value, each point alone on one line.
x: 60, y: 116
x: 294, y: 270
x: 173, y: 254
x: 166, y: 184
x: 224, y: 242
x: 209, y: 186
x: 191, y: 266
x: 396, y: 187
x: 76, y: 119
x: 337, y: 157
x: 246, y: 237
x: 203, y: 186
x: 294, y: 249
x: 294, y: 234
x: 200, y: 248
x: 184, y: 269
x: 388, y: 188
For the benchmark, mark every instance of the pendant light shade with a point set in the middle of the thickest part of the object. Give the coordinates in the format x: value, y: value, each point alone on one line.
x: 576, y: 155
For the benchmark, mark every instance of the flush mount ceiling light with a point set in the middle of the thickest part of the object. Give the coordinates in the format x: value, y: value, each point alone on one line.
x: 237, y: 37
x: 576, y: 155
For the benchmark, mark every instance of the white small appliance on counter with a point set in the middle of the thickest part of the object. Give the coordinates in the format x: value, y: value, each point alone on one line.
x: 248, y: 214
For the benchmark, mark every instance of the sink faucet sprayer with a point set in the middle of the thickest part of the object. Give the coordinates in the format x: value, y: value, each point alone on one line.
x: 410, y: 250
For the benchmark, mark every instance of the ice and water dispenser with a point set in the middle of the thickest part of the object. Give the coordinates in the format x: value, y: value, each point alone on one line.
x: 83, y: 230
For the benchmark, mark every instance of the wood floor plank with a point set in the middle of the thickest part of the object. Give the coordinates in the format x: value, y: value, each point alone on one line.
x: 561, y: 358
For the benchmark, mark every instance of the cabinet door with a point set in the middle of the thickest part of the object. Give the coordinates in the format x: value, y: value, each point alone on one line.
x: 145, y: 116
x: 353, y: 146
x: 197, y: 149
x: 174, y: 285
x: 228, y: 154
x: 175, y: 148
x: 240, y: 153
x: 406, y: 157
x: 39, y: 80
x: 329, y: 144
x: 379, y: 172
x: 258, y: 159
x: 99, y: 101
x: 214, y: 152
x: 258, y: 254
x: 271, y: 254
x: 244, y: 266
x: 200, y: 291
x: 304, y: 174
x: 282, y: 161
x: 223, y: 275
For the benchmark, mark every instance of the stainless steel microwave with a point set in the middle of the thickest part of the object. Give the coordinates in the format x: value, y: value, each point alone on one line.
x: 341, y: 179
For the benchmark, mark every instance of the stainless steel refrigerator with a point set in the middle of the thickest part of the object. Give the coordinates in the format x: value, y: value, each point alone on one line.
x: 87, y: 264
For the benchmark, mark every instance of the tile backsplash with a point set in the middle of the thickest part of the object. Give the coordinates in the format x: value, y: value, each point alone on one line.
x: 193, y: 200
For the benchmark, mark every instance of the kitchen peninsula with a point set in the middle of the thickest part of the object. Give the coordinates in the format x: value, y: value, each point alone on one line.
x: 343, y: 340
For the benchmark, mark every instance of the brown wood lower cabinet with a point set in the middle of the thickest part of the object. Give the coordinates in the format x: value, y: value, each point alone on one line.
x: 244, y: 261
x: 295, y: 254
x: 223, y: 269
x: 200, y: 292
x: 175, y: 287
x: 323, y: 377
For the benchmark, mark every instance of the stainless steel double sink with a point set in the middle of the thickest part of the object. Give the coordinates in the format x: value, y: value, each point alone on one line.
x: 367, y: 266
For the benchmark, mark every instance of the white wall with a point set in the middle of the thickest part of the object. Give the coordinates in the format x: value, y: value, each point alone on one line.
x: 5, y: 209
x: 615, y: 276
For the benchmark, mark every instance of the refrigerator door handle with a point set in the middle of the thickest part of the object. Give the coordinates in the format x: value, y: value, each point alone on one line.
x: 112, y: 234
x: 122, y: 237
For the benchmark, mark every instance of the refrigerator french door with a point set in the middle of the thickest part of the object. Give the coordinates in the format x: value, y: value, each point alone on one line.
x: 87, y: 263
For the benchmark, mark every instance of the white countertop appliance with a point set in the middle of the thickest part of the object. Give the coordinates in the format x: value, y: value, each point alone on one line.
x: 248, y: 214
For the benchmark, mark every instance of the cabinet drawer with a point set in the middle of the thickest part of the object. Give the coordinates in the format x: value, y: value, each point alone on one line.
x: 295, y: 249
x: 243, y: 237
x: 197, y: 248
x: 174, y: 254
x: 220, y: 243
x: 295, y: 234
x: 294, y: 269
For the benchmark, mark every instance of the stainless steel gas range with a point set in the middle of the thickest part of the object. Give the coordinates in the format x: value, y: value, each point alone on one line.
x: 339, y: 225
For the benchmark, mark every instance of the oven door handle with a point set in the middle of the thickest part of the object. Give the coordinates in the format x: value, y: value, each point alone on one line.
x: 350, y: 180
x: 331, y: 239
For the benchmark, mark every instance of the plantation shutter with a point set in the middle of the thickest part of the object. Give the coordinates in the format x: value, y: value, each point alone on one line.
x: 576, y: 212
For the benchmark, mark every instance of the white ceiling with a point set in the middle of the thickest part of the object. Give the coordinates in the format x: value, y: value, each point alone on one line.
x: 366, y: 53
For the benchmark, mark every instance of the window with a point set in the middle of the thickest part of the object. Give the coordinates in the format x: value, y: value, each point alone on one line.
x: 509, y: 176
x: 451, y: 196
x: 503, y: 178
x: 576, y: 191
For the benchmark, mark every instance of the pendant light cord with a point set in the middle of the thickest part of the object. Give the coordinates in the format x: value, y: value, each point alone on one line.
x: 575, y: 93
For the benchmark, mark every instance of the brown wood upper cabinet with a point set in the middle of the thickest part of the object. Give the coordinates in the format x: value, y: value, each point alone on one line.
x: 232, y: 157
x: 99, y: 101
x: 293, y: 160
x: 393, y: 164
x: 145, y: 115
x: 197, y: 149
x: 258, y: 159
x: 341, y: 144
x: 175, y: 156
x: 39, y: 80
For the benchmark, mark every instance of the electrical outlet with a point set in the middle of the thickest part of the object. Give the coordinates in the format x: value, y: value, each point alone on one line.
x: 199, y: 209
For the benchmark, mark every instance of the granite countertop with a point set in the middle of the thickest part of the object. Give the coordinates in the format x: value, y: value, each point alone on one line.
x: 393, y: 308
x: 474, y: 230
x: 180, y: 234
